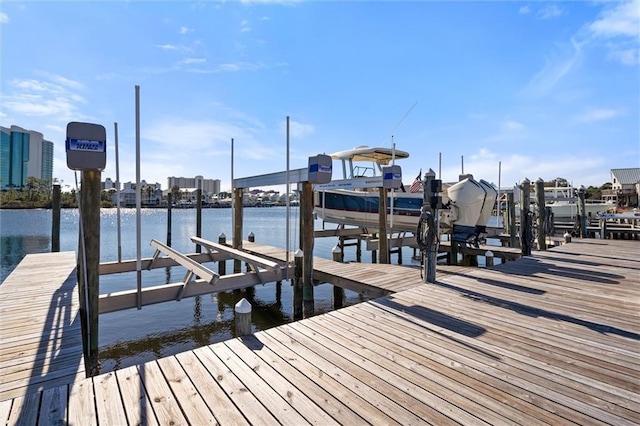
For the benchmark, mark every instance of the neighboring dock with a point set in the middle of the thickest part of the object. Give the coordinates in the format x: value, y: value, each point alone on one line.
x: 547, y: 339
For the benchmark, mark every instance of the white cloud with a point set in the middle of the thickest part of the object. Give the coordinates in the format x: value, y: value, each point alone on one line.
x: 185, y: 30
x: 299, y: 130
x: 621, y: 20
x: 549, y: 11
x: 166, y: 46
x: 4, y: 18
x: 626, y: 56
x: 598, y: 114
x: 169, y: 47
x: 524, y: 10
x: 30, y: 97
x: 71, y: 84
x: 241, y: 66
x: 618, y: 27
x: 554, y: 70
x: 191, y: 61
x: 512, y: 125
x: 484, y: 164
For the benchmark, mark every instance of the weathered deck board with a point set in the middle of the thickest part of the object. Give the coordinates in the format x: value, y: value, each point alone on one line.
x: 549, y: 339
x: 40, y: 338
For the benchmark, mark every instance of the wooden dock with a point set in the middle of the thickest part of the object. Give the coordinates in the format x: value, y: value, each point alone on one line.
x: 40, y: 338
x: 547, y: 339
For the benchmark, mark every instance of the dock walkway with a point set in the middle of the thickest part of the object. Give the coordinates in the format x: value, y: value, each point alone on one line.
x: 547, y: 339
x: 40, y: 337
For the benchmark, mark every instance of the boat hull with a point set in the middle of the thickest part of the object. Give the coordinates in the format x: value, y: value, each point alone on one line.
x: 357, y: 208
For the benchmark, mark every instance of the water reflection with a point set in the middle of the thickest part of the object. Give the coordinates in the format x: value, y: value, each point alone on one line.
x: 14, y: 248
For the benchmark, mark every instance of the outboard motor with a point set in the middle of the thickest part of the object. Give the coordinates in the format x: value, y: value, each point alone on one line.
x: 490, y: 199
x: 468, y: 198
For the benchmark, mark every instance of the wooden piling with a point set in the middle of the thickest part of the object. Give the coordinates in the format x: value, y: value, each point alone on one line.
x: 382, y: 226
x: 489, y: 258
x: 169, y: 206
x: 582, y: 211
x: 541, y: 215
x: 199, y: 218
x: 242, y: 313
x: 525, y: 218
x: 511, y: 223
x: 374, y: 253
x: 89, y: 265
x: 338, y: 292
x: 252, y: 239
x: 297, y: 286
x: 306, y: 216
x: 55, y: 218
x: 237, y: 229
x: 222, y: 264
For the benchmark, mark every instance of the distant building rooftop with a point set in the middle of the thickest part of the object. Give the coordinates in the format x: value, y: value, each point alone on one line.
x: 626, y: 176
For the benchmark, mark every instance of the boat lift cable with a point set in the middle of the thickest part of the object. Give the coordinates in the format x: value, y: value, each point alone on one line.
x: 84, y: 267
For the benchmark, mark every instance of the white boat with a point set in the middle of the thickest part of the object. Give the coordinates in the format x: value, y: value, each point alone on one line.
x: 354, y: 199
x: 563, y: 202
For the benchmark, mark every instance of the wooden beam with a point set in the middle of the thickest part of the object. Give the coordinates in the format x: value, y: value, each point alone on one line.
x: 205, y: 273
x: 121, y: 300
x: 238, y: 254
x: 116, y: 267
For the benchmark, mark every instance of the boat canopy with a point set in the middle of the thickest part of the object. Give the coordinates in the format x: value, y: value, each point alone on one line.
x: 364, y: 153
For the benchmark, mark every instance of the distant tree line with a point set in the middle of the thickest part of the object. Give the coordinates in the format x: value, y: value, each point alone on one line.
x: 37, y: 194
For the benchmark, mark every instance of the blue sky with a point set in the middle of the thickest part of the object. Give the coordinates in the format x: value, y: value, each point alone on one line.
x: 546, y: 89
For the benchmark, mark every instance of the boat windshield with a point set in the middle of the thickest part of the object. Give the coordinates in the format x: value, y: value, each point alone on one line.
x: 362, y: 171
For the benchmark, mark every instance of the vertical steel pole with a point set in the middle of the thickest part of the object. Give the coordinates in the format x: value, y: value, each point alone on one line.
x: 138, y: 205
x: 118, y: 229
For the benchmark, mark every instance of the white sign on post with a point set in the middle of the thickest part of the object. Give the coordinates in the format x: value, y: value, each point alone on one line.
x: 86, y: 146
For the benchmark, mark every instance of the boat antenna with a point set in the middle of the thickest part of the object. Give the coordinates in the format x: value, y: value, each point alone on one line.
x: 400, y: 122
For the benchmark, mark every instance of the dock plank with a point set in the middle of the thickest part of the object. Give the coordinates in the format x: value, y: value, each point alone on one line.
x: 217, y: 401
x: 247, y: 403
x: 108, y: 401
x: 134, y: 397
x: 54, y: 408
x: 191, y: 402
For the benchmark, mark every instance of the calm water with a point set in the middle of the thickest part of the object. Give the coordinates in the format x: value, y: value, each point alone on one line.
x: 132, y: 336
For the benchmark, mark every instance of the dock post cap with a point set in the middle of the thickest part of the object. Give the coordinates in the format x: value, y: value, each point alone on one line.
x: 539, y: 180
x: 336, y: 249
x: 222, y: 235
x: 251, y: 235
x: 489, y: 253
x: 243, y: 306
x: 525, y: 181
x: 298, y: 253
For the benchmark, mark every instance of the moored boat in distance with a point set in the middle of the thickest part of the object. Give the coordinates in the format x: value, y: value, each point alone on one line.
x: 564, y: 203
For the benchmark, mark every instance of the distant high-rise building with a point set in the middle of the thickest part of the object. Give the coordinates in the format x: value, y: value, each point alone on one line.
x: 24, y: 154
x: 208, y: 186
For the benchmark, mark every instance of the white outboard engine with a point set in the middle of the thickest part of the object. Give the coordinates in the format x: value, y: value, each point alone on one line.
x: 487, y: 208
x: 473, y: 202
